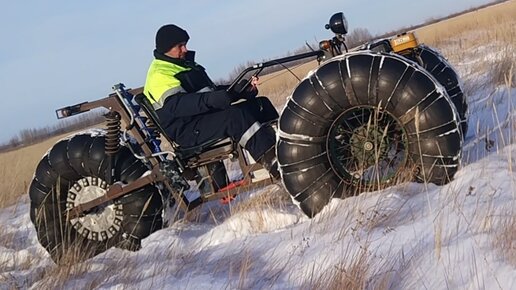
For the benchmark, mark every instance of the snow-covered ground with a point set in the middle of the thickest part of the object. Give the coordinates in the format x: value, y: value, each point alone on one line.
x: 410, y: 236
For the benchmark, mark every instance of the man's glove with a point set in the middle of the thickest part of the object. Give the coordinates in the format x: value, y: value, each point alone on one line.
x: 246, y: 89
x: 250, y: 92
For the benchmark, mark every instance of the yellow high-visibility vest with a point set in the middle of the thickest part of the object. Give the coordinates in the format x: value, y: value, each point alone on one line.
x: 161, y: 82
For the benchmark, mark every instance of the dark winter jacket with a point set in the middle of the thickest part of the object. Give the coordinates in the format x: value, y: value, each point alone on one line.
x: 180, y: 89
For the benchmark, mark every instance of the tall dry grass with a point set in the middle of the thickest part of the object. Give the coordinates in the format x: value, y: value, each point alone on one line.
x: 279, y: 85
x: 344, y: 275
x: 17, y: 169
x: 505, y: 240
x: 491, y: 28
x: 356, y: 272
x: 486, y: 26
x: 482, y: 28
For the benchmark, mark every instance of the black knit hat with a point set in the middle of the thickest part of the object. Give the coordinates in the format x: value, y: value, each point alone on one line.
x: 168, y: 36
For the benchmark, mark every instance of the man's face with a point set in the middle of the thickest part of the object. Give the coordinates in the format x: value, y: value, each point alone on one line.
x: 178, y: 51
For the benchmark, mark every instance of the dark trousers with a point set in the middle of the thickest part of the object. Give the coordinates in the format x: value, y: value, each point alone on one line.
x: 231, y: 122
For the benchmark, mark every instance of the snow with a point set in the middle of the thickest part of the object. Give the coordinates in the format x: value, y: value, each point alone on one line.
x: 410, y: 236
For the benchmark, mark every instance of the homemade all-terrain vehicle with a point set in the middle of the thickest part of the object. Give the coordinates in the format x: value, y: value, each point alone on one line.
x: 389, y: 110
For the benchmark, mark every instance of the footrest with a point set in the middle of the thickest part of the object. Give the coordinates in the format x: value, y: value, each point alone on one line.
x: 232, y: 185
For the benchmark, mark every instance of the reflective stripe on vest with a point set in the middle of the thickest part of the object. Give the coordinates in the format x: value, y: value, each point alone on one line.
x: 161, y: 82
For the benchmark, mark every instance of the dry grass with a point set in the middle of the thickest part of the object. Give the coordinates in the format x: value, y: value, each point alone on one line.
x: 493, y: 25
x: 274, y: 197
x: 344, y: 275
x: 489, y: 31
x: 356, y: 270
x: 279, y: 85
x: 503, y: 68
x: 253, y: 210
x: 17, y: 169
x: 505, y: 241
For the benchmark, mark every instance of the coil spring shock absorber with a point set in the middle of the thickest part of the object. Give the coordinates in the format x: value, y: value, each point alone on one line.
x: 112, y: 143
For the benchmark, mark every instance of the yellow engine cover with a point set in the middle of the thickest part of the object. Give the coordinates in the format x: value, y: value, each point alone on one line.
x: 403, y: 41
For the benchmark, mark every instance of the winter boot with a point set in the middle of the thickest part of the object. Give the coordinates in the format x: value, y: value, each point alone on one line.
x: 270, y: 162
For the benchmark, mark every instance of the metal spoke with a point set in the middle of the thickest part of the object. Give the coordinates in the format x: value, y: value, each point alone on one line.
x: 366, y: 146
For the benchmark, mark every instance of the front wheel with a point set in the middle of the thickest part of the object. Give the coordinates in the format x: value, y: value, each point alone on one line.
x: 364, y: 121
x: 75, y: 171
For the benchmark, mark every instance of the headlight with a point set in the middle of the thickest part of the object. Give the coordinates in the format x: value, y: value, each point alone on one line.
x: 338, y: 24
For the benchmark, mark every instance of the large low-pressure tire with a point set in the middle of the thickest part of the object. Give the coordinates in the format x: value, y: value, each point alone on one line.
x: 433, y: 62
x: 74, y: 171
x: 364, y: 121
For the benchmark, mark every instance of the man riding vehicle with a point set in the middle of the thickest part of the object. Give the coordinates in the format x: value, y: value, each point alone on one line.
x: 193, y: 110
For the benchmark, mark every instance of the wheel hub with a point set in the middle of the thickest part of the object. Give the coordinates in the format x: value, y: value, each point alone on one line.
x: 367, y: 147
x: 101, y: 223
x: 364, y: 140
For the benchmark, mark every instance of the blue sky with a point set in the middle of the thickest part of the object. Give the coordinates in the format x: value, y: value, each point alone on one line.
x: 58, y: 53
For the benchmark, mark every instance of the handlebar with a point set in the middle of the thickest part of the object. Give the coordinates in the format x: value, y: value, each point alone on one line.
x: 260, y: 66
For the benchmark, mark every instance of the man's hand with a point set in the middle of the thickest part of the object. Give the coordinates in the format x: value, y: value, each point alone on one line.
x: 244, y: 89
x: 254, y: 81
x: 252, y: 89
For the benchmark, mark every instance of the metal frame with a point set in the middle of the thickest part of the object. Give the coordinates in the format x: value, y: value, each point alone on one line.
x: 131, y: 114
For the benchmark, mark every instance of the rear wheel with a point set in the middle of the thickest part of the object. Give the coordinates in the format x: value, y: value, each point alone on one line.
x: 433, y: 62
x: 364, y: 121
x: 74, y: 172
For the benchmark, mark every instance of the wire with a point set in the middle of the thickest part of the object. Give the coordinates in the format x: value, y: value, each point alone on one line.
x: 281, y: 73
x: 290, y: 71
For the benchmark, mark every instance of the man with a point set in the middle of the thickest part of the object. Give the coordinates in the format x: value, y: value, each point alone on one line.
x: 193, y: 110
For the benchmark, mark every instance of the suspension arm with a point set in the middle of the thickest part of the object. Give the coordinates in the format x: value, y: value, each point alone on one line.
x: 115, y: 190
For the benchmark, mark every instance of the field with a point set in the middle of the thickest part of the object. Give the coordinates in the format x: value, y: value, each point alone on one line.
x: 17, y: 167
x: 411, y: 236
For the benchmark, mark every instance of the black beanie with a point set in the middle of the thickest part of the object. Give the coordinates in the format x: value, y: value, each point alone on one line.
x: 168, y: 36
